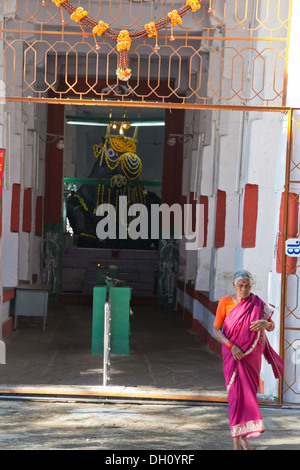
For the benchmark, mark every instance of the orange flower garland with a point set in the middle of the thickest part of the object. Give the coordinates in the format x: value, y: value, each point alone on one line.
x: 59, y: 3
x: 124, y: 41
x: 194, y: 4
x: 124, y: 37
x: 151, y: 29
x: 100, y: 28
x: 78, y: 15
x: 174, y: 17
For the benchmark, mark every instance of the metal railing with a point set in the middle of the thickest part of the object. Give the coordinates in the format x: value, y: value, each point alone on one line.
x: 220, y: 54
x: 106, y: 342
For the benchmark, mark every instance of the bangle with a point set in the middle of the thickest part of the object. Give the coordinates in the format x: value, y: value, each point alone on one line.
x: 229, y: 344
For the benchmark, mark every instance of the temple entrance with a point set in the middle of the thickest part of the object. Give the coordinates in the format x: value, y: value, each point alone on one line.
x: 98, y: 152
x: 216, y: 73
x: 230, y: 184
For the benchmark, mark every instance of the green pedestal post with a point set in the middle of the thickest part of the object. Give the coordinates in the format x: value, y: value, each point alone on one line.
x: 100, y: 276
x: 119, y: 327
x: 99, y: 297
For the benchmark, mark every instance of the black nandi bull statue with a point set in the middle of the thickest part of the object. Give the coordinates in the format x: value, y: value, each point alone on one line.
x: 117, y: 164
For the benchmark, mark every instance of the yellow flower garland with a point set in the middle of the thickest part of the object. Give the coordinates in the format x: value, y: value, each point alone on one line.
x: 123, y: 144
x: 194, y: 4
x: 79, y: 14
x: 175, y: 18
x: 124, y: 41
x: 108, y: 164
x: 100, y: 29
x: 130, y: 173
x: 59, y: 3
x: 151, y: 29
x: 81, y: 202
x: 97, y: 150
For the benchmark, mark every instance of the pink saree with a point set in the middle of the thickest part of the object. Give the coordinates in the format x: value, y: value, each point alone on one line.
x: 242, y: 377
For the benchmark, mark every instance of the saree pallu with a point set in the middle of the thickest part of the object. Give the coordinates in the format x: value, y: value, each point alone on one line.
x: 242, y: 377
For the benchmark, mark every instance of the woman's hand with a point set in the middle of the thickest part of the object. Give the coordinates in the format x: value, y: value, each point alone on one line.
x: 237, y: 352
x: 259, y: 325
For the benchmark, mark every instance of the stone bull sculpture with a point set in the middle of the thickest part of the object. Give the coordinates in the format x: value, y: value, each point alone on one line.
x: 119, y: 166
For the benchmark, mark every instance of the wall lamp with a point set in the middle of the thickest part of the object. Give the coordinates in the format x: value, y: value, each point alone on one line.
x: 182, y: 138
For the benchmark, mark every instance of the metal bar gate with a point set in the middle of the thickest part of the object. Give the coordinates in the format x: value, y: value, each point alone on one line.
x: 290, y: 313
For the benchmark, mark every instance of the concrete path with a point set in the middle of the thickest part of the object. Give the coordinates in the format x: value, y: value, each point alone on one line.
x: 165, y: 359
x: 38, y: 425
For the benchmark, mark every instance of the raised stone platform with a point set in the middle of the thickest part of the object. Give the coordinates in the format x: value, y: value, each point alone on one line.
x: 138, y: 268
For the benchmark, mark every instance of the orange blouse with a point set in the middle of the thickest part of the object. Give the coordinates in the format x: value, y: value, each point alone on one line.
x: 226, y: 304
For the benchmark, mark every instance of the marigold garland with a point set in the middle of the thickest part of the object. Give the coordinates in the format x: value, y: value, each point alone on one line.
x: 123, y: 144
x: 81, y: 200
x: 125, y: 37
x: 59, y: 3
x: 194, y: 4
x: 79, y: 14
x: 100, y: 28
x: 124, y: 41
x: 97, y: 150
x: 151, y: 29
x: 131, y: 169
x: 174, y: 17
x: 107, y: 161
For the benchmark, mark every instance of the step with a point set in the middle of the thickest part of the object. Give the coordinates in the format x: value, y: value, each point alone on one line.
x: 138, y: 268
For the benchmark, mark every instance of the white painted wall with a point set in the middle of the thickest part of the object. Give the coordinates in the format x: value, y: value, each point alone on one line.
x: 256, y: 138
x: 20, y: 252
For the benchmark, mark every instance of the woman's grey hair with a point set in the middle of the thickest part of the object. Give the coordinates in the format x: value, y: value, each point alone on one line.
x: 242, y: 275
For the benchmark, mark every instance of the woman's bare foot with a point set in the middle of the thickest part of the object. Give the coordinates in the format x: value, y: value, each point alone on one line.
x: 245, y: 444
x: 236, y: 443
x: 241, y: 441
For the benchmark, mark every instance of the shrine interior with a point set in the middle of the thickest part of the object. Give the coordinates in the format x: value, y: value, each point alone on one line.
x: 136, y: 262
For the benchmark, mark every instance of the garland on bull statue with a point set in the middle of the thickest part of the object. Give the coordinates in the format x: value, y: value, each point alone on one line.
x: 118, y: 164
x: 124, y: 38
x: 129, y: 164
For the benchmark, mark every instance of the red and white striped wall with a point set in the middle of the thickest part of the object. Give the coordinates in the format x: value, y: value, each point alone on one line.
x: 197, y: 301
x: 22, y: 214
x: 199, y: 312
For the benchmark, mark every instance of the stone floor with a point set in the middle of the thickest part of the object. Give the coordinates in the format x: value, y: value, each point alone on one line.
x: 167, y: 394
x: 165, y: 357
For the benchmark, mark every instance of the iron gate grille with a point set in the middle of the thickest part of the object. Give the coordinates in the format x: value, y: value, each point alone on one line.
x: 290, y: 280
x: 201, y: 61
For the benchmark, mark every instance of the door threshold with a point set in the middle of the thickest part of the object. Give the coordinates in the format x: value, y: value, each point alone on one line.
x: 105, y: 394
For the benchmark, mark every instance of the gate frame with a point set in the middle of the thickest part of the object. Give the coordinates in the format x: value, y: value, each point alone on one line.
x: 284, y: 275
x: 185, y: 106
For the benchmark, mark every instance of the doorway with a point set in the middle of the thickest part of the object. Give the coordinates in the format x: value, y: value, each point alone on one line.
x: 233, y: 183
x: 116, y: 158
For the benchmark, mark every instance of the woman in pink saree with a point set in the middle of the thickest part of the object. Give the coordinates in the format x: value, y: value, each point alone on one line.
x: 241, y: 321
